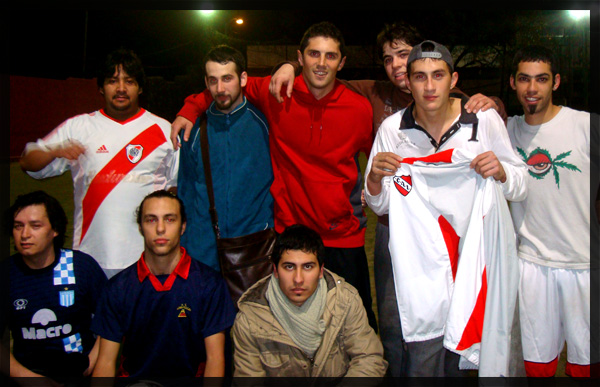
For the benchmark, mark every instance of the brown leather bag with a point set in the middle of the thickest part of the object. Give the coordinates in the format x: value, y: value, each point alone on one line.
x: 244, y: 259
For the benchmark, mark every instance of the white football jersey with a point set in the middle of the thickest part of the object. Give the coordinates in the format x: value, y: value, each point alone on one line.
x: 123, y: 162
x: 454, y: 258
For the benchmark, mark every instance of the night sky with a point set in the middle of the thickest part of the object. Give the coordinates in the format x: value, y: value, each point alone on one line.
x: 68, y: 42
x: 55, y: 42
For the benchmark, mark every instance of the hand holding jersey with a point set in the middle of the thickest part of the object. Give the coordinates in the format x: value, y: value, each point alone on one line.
x: 433, y: 124
x: 384, y: 164
x: 487, y: 164
x: 387, y: 163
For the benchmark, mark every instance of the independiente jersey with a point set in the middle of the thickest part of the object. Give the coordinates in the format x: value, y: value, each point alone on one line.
x: 123, y: 162
x: 454, y: 258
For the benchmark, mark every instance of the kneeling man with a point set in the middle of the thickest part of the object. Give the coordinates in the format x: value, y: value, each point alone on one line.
x: 171, y: 310
x: 303, y: 320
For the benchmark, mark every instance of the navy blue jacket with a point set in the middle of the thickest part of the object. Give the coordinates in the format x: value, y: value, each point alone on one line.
x: 242, y: 175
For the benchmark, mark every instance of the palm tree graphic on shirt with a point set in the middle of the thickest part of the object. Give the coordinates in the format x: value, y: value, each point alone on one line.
x: 540, y: 163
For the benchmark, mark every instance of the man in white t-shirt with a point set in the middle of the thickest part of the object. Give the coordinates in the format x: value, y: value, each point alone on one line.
x: 117, y: 155
x: 553, y: 222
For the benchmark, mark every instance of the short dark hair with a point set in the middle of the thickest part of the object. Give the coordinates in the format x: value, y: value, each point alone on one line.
x: 398, y: 31
x: 298, y: 237
x: 535, y: 53
x: 323, y: 29
x: 131, y: 64
x: 161, y: 194
x: 224, y: 54
x: 55, y: 212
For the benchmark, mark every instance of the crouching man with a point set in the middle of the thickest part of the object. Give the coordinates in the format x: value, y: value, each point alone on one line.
x: 170, y: 311
x: 304, y: 320
x: 50, y: 297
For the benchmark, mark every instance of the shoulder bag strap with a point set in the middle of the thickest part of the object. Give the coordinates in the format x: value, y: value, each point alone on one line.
x: 207, y: 175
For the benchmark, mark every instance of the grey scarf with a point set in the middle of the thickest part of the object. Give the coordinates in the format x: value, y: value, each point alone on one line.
x: 302, y: 323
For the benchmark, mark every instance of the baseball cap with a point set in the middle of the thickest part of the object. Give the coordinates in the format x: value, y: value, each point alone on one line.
x: 433, y: 50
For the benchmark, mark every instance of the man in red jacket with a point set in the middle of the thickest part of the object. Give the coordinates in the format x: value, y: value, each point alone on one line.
x: 316, y: 136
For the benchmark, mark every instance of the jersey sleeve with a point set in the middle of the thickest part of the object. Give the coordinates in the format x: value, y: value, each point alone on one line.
x: 172, y: 168
x: 95, y: 279
x: 107, y: 322
x: 515, y: 186
x: 60, y: 135
x: 219, y: 312
x: 383, y: 143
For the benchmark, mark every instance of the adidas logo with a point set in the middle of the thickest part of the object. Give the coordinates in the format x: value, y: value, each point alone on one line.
x: 102, y: 149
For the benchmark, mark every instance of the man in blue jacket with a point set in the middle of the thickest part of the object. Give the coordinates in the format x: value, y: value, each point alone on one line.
x: 240, y: 162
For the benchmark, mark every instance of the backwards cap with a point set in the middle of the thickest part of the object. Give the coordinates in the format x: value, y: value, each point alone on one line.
x: 433, y: 50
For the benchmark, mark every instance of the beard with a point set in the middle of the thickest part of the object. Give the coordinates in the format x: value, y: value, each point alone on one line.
x: 222, y: 105
x: 228, y: 103
x: 532, y: 109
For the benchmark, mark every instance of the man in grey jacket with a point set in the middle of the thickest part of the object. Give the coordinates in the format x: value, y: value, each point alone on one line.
x: 304, y: 320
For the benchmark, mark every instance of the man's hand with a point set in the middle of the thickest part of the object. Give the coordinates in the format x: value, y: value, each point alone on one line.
x: 480, y: 102
x: 487, y: 164
x: 70, y: 150
x: 93, y: 357
x: 180, y: 123
x: 283, y: 76
x: 384, y: 164
x: 36, y: 158
x: 25, y: 377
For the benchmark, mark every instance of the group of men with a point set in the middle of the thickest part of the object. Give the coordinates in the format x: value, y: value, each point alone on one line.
x: 285, y: 155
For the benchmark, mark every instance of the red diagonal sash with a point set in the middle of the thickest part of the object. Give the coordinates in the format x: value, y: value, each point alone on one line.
x: 474, y: 328
x: 114, y: 171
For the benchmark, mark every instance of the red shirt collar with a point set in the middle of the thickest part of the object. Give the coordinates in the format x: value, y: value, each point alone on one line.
x: 135, y: 116
x: 182, y: 269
